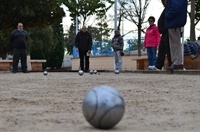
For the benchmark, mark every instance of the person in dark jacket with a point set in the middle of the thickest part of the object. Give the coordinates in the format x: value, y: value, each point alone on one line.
x: 175, y: 19
x: 164, y: 42
x: 18, y: 39
x: 83, y: 44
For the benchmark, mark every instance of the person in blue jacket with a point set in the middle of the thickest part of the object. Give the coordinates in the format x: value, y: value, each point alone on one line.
x: 175, y: 20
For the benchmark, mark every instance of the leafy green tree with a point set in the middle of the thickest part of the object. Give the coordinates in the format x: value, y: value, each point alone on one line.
x: 85, y: 8
x: 48, y: 43
x: 55, y: 58
x: 132, y: 45
x: 32, y: 13
x: 70, y: 39
x: 104, y: 30
x: 41, y: 41
x: 4, y: 44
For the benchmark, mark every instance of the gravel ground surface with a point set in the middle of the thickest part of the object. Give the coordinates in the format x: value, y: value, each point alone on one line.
x: 154, y: 102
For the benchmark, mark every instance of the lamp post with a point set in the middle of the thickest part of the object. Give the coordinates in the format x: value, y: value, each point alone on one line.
x: 76, y: 18
x: 115, y: 13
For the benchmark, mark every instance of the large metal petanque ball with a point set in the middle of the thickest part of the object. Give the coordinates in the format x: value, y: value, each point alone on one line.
x: 103, y: 107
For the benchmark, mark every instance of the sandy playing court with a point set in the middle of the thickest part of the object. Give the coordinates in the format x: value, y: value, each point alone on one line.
x: 154, y: 102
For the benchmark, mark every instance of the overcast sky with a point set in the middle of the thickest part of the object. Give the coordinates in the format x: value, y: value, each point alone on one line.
x: 155, y: 8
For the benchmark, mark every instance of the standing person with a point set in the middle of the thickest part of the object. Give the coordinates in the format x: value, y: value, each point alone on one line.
x: 175, y: 19
x: 118, y: 45
x: 151, y: 42
x: 18, y: 39
x: 83, y: 44
x: 164, y: 42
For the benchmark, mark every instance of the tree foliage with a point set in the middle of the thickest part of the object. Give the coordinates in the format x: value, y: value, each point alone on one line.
x: 48, y: 43
x: 85, y: 8
x: 32, y: 13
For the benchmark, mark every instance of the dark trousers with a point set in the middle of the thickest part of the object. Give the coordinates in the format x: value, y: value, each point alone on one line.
x: 84, y: 60
x: 19, y: 54
x: 164, y: 49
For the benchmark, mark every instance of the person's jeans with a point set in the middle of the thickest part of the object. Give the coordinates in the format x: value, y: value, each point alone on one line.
x: 118, y: 60
x: 151, y: 53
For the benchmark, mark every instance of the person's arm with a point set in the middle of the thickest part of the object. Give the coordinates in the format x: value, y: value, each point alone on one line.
x: 157, y: 36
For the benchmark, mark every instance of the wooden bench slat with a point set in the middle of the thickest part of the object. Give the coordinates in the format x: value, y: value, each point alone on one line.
x: 36, y: 65
x: 142, y: 63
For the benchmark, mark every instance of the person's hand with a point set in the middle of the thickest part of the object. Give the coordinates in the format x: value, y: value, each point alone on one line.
x: 143, y: 48
x: 88, y: 53
x: 77, y: 49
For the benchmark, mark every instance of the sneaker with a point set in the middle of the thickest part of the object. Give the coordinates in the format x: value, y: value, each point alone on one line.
x: 194, y: 56
x: 151, y: 67
x: 156, y: 69
x: 175, y: 67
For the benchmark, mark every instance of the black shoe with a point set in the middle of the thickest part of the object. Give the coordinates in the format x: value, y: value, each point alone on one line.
x: 25, y: 71
x: 14, y: 72
x: 87, y: 71
x: 175, y: 67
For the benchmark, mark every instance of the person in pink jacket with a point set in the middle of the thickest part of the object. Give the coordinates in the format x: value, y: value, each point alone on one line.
x: 151, y: 42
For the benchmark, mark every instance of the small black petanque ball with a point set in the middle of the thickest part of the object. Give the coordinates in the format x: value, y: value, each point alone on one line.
x: 103, y: 107
x: 45, y: 73
x: 80, y: 72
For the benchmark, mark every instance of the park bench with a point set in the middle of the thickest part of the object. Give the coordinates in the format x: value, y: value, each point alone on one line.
x: 36, y: 65
x: 142, y: 63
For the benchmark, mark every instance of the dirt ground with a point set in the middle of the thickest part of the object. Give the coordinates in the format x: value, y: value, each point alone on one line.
x: 153, y: 102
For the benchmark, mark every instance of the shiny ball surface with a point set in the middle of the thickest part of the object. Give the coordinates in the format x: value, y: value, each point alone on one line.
x: 95, y: 71
x: 116, y: 71
x: 103, y: 107
x: 80, y: 72
x: 91, y: 72
x: 45, y: 73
